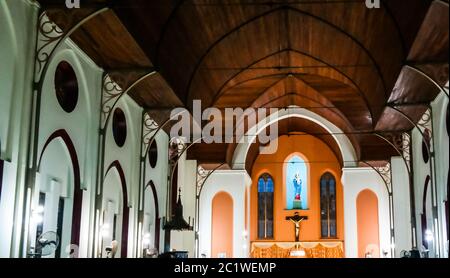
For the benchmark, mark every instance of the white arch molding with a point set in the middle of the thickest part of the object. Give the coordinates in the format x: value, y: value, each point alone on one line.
x: 55, y: 178
x: 347, y: 150
x: 149, y: 222
x: 112, y: 209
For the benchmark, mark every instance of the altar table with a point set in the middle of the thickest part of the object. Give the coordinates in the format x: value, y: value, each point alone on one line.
x: 316, y: 249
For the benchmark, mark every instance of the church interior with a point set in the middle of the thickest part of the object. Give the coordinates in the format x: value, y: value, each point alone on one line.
x: 107, y: 110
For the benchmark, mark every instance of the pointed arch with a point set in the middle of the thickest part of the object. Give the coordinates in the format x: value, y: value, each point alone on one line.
x: 126, y: 210
x: 157, y: 219
x: 77, y: 192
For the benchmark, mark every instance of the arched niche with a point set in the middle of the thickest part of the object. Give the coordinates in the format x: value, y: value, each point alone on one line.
x: 151, y: 223
x: 296, y: 182
x: 58, y: 193
x: 222, y: 226
x: 368, y: 225
x: 115, y: 211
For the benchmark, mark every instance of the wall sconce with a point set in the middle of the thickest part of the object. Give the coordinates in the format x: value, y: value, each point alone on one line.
x: 245, y: 234
x: 37, y: 215
x: 429, y: 236
x: 104, y: 231
x: 146, y: 239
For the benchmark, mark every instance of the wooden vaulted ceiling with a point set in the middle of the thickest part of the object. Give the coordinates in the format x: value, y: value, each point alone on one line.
x: 347, y: 63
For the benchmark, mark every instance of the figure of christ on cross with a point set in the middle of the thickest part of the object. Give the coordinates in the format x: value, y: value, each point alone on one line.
x: 296, y: 219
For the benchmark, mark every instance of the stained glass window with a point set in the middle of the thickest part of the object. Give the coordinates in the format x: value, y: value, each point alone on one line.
x: 265, y: 207
x: 328, y: 206
x: 296, y: 184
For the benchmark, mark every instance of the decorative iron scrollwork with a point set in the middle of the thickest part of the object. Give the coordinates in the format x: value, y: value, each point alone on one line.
x: 111, y: 92
x: 202, y: 175
x: 150, y: 126
x: 425, y: 121
x: 51, y: 34
x: 406, y: 148
x: 386, y: 175
x: 48, y: 36
x: 402, y: 143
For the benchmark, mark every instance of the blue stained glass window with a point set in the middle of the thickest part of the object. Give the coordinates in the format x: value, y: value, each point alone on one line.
x: 296, y: 184
x: 328, y: 206
x: 265, y: 207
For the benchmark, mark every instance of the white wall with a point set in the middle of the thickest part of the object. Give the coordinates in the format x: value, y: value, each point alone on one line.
x: 355, y: 180
x: 81, y: 124
x: 441, y: 144
x: 18, y: 22
x: 440, y: 164
x: 17, y: 40
x: 128, y: 157
x: 7, y: 208
x: 233, y: 182
x: 158, y: 175
x: 402, y: 212
x: 421, y: 171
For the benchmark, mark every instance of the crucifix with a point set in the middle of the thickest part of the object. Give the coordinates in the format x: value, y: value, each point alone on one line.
x: 296, y: 219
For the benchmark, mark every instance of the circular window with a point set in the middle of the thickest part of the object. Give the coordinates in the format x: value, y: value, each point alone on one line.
x: 66, y: 86
x: 426, y: 146
x: 119, y: 127
x: 153, y: 154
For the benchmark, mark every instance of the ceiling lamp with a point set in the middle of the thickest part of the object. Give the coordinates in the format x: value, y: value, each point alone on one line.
x: 177, y: 222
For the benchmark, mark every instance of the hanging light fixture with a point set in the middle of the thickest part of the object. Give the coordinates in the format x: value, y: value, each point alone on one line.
x: 177, y: 222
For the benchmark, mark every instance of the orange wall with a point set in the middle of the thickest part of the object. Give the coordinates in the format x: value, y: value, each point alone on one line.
x: 222, y: 225
x: 322, y: 160
x: 367, y: 217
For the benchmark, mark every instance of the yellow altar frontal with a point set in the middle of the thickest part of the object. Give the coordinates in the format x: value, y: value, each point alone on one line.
x: 318, y: 249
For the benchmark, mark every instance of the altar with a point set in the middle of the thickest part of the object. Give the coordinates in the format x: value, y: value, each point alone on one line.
x: 304, y: 249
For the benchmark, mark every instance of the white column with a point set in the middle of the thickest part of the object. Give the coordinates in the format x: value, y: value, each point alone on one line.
x: 441, y: 144
x: 402, y: 204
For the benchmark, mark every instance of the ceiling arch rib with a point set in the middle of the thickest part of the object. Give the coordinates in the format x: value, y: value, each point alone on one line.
x: 257, y: 85
x: 314, y: 102
x: 254, y: 97
x: 344, y: 77
x: 239, y: 29
x: 278, y: 76
x: 350, y: 21
x: 217, y: 43
x: 173, y: 13
x: 330, y: 114
x: 334, y: 68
